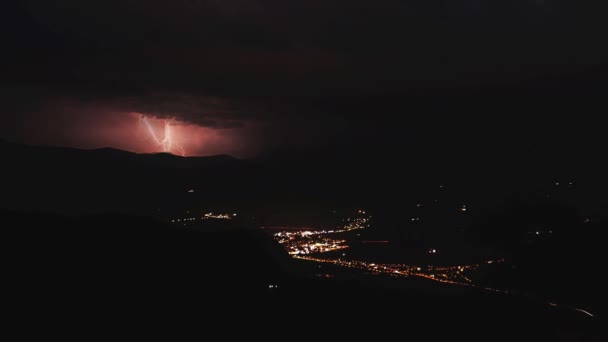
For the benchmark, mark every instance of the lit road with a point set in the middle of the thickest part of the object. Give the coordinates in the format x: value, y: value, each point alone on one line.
x: 312, y: 245
x: 309, y: 244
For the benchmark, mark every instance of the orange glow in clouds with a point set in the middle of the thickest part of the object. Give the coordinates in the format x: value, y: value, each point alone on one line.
x: 167, y: 135
x: 88, y: 127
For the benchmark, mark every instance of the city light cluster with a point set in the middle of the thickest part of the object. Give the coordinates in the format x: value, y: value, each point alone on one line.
x: 304, y: 247
x: 218, y: 216
x: 352, y: 224
x: 308, y: 244
x: 304, y: 242
x: 206, y: 216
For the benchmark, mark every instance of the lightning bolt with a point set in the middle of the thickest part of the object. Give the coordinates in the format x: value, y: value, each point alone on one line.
x: 167, y: 142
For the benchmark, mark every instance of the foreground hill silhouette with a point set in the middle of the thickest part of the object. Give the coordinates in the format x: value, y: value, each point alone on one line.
x: 103, y: 272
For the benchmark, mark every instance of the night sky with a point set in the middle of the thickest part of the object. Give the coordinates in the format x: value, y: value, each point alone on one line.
x: 472, y: 78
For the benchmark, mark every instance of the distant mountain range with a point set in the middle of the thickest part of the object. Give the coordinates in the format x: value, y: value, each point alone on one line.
x: 74, y: 181
x: 108, y: 154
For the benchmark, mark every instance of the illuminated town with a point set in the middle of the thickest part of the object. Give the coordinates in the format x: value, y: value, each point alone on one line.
x: 303, y: 242
x: 207, y: 216
x: 308, y: 244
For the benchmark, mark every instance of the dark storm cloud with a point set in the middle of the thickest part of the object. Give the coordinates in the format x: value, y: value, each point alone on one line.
x: 200, y: 110
x: 290, y: 64
x: 268, y: 42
